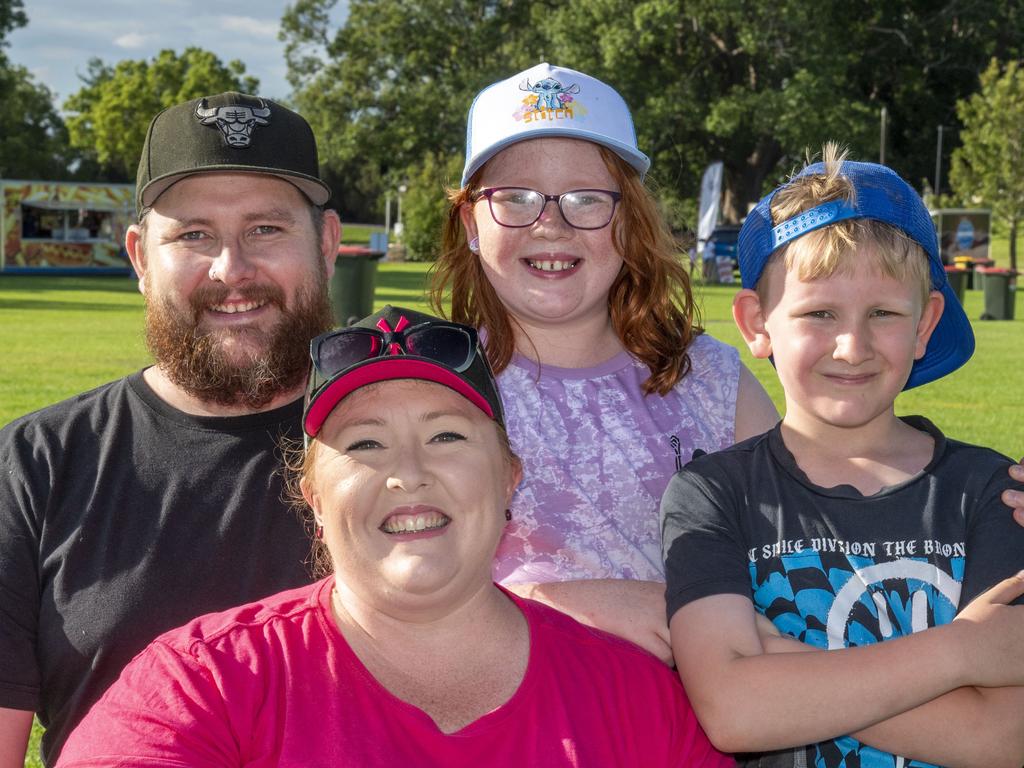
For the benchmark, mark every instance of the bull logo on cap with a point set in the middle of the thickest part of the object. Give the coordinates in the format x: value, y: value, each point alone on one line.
x: 235, y: 122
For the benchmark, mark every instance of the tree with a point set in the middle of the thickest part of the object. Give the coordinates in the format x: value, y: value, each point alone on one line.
x: 12, y: 16
x: 33, y: 139
x: 394, y: 84
x: 990, y: 163
x: 754, y: 85
x: 424, y: 209
x: 109, y: 116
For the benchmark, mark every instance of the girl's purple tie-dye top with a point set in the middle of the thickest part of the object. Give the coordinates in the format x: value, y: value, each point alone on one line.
x: 597, y: 456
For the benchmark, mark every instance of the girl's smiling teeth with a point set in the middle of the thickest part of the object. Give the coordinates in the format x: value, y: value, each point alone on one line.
x: 417, y: 523
x: 550, y: 265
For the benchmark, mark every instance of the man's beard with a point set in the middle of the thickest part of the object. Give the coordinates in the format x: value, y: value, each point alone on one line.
x: 198, y: 362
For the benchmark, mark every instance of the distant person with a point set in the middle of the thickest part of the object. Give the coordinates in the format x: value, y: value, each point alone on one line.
x: 130, y: 509
x: 868, y: 540
x: 407, y: 654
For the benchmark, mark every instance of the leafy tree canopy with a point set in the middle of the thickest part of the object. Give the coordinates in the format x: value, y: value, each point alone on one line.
x: 12, y: 16
x: 109, y: 116
x: 987, y: 168
x: 754, y: 85
x: 33, y: 139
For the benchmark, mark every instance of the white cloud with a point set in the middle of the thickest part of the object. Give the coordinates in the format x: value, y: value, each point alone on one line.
x: 132, y: 40
x: 249, y: 26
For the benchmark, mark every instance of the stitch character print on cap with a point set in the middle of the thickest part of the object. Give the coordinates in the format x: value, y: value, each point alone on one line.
x: 235, y: 122
x: 548, y: 99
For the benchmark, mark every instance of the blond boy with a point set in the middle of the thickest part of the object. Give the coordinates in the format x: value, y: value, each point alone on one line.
x: 850, y: 529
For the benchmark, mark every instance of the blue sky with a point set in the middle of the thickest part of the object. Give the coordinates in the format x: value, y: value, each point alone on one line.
x: 62, y: 35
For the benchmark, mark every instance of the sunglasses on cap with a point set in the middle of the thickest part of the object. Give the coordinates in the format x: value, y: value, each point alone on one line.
x: 453, y: 346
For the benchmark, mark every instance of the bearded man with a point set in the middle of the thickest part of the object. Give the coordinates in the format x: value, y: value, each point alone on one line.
x: 130, y: 509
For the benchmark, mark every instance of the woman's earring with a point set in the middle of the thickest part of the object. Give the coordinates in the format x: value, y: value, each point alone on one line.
x: 319, y: 533
x: 508, y: 515
x: 474, y: 245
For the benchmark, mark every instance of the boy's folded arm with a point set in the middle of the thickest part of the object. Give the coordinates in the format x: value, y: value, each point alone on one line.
x: 988, y: 720
x: 988, y: 723
x: 751, y: 701
x: 987, y: 729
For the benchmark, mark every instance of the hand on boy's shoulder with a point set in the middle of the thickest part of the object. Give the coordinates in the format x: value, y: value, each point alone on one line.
x: 1013, y: 497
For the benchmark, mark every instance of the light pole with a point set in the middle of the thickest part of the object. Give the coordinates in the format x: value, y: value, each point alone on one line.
x: 881, y: 137
x: 938, y: 162
x: 402, y: 189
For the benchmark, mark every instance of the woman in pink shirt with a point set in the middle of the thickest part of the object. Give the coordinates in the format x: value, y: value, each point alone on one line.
x: 409, y: 653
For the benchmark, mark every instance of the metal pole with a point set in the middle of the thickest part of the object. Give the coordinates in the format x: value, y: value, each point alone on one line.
x: 387, y: 213
x: 938, y: 162
x: 399, y: 226
x: 3, y: 230
x: 881, y: 138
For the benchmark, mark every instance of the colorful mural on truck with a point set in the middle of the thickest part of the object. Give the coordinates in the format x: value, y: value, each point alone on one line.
x: 64, y: 225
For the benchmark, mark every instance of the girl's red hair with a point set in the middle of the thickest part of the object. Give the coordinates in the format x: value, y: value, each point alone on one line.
x: 650, y: 303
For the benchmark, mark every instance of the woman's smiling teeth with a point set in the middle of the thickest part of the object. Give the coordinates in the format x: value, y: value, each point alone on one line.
x: 414, y: 523
x: 553, y: 266
x: 231, y: 309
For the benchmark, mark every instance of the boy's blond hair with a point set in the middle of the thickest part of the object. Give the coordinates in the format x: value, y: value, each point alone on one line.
x: 832, y: 249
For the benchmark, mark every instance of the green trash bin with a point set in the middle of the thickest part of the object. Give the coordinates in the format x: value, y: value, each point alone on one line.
x: 957, y: 281
x: 999, y: 286
x: 967, y: 263
x: 353, y: 283
x: 979, y: 278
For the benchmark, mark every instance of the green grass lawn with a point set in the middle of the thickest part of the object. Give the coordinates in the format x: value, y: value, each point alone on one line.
x: 62, y: 335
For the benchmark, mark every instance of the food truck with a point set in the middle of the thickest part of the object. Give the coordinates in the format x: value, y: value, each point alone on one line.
x: 51, y: 227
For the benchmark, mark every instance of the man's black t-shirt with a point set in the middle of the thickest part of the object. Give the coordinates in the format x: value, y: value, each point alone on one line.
x: 120, y: 518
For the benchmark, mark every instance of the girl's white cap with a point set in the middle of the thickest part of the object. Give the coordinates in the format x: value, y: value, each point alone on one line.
x: 548, y: 101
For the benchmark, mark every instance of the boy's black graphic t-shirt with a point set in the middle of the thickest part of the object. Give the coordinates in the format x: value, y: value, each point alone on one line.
x: 834, y: 568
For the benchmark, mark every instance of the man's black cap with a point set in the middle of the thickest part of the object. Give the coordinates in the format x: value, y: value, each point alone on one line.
x: 229, y: 132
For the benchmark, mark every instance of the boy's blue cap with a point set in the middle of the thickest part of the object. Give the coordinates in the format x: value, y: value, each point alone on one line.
x: 883, y: 196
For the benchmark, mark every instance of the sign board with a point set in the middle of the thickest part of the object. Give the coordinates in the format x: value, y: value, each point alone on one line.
x: 710, y: 203
x: 963, y: 232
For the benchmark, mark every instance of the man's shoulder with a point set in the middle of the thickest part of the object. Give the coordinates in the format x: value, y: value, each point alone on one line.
x: 252, y: 625
x: 58, y: 416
